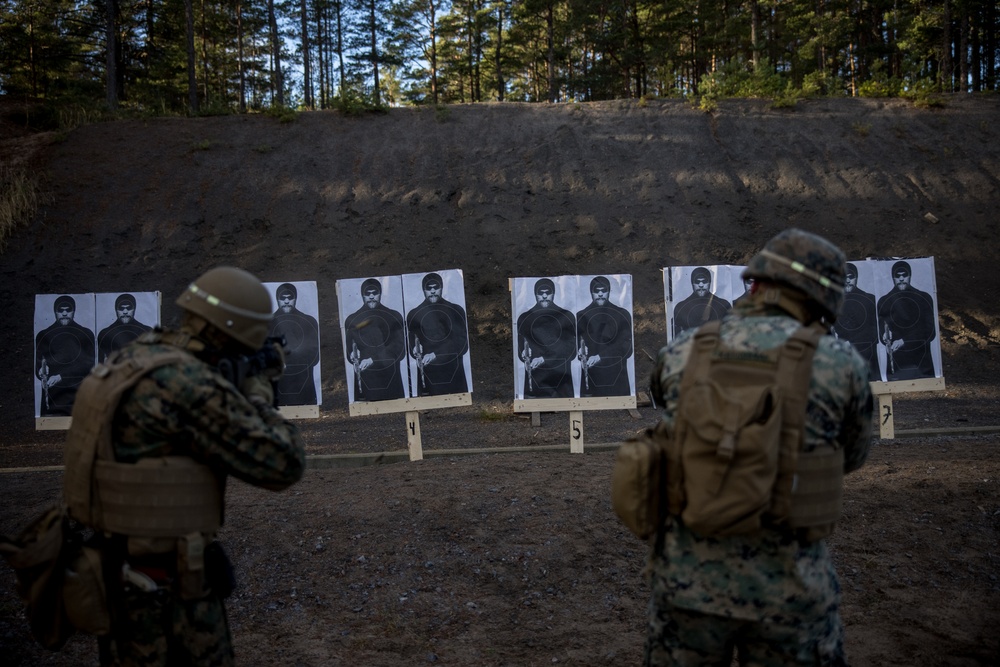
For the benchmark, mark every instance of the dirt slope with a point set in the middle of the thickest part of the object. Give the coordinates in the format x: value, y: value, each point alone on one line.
x: 517, y: 559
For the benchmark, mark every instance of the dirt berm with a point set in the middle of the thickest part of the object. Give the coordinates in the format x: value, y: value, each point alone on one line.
x: 517, y: 559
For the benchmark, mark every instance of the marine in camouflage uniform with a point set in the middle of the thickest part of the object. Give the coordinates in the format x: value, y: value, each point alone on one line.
x: 772, y: 598
x: 189, y: 408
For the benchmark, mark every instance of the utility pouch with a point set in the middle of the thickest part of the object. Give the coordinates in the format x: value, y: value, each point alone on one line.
x: 84, y: 593
x: 191, y: 566
x: 39, y: 556
x: 637, y: 493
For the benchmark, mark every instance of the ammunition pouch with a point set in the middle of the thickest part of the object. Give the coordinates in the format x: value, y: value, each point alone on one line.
x: 84, y: 593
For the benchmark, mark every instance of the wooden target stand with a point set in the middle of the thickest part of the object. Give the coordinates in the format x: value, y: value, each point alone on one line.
x: 287, y: 411
x: 883, y: 392
x: 575, y: 408
x: 411, y: 407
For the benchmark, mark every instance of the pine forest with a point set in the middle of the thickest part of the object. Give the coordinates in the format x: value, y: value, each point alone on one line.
x: 200, y: 56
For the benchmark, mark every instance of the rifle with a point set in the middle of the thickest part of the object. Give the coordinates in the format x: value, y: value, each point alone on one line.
x: 582, y: 356
x: 887, y: 341
x: 356, y: 362
x: 43, y: 375
x: 418, y: 354
x: 267, y: 360
x: 526, y: 358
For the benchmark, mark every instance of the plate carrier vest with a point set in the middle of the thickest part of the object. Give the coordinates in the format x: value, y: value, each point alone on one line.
x: 163, y: 497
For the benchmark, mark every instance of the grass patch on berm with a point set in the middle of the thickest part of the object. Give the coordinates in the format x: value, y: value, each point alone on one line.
x: 20, y: 195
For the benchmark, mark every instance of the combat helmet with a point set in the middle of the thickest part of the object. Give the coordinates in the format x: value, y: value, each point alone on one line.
x: 232, y: 300
x: 806, y: 262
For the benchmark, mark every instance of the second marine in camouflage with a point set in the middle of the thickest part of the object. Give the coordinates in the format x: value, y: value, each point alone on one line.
x: 770, y: 596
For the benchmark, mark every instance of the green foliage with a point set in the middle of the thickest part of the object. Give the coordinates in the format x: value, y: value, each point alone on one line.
x: 74, y: 114
x: 707, y: 104
x: 214, y: 109
x: 281, y: 113
x: 442, y: 113
x: 880, y: 84
x: 734, y: 79
x: 924, y: 94
x: 886, y: 87
x: 822, y: 84
x: 203, y: 145
x: 380, y: 52
x: 861, y: 129
x: 353, y: 103
x: 788, y: 99
x: 20, y: 196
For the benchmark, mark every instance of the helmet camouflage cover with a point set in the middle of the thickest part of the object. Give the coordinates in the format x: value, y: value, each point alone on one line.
x: 232, y: 300
x: 806, y: 262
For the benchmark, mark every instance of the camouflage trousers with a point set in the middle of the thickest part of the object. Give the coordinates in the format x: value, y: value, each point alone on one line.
x: 165, y: 630
x: 686, y: 638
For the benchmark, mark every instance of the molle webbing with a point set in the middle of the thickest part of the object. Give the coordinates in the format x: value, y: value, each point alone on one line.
x: 733, y: 404
x: 153, y: 498
x: 162, y: 497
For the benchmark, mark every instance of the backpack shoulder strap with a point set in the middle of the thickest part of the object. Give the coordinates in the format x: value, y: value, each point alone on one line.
x: 700, y: 356
x: 794, y: 373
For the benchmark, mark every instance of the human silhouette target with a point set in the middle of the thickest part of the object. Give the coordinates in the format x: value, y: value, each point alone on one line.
x: 546, y: 329
x: 604, y: 331
x: 64, y: 350
x: 602, y: 328
x: 374, y: 339
x: 907, y: 320
x: 376, y: 330
x: 694, y: 313
x: 436, y: 324
x: 68, y: 348
x: 855, y: 317
x: 437, y: 333
x: 905, y: 311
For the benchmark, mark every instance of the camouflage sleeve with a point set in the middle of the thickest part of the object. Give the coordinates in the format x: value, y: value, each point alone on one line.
x: 856, y: 436
x: 840, y: 383
x: 665, y: 383
x: 191, y: 409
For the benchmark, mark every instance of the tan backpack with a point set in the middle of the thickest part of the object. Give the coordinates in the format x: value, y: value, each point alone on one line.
x: 735, y: 462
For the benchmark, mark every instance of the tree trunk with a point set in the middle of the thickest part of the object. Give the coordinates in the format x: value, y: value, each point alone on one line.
x: 320, y: 54
x: 374, y: 37
x: 277, y: 81
x: 340, y: 47
x: 946, y: 62
x: 111, y: 12
x: 242, y: 69
x: 204, y: 51
x: 550, y: 53
x: 192, y: 81
x: 433, y: 63
x: 306, y: 70
x: 963, y: 51
x: 499, y: 48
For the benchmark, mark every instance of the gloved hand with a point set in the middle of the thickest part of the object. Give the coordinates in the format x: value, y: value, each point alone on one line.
x: 258, y: 389
x: 273, y: 358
